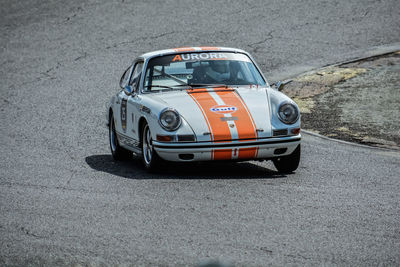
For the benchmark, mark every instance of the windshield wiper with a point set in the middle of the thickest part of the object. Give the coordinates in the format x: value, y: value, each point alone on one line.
x: 167, y: 88
x: 191, y: 86
x: 182, y: 85
x: 211, y: 85
x: 161, y: 86
x: 170, y: 76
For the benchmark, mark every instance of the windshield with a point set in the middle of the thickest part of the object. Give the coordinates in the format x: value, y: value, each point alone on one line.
x: 200, y: 69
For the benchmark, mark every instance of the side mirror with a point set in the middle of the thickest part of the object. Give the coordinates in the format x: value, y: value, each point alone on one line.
x: 128, y: 90
x: 279, y: 85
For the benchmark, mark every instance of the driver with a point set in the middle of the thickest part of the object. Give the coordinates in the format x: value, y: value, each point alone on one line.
x: 218, y: 70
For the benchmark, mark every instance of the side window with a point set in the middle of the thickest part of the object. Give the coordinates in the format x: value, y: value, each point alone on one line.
x: 136, y: 75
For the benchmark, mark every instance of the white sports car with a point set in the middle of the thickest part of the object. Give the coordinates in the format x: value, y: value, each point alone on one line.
x: 200, y: 104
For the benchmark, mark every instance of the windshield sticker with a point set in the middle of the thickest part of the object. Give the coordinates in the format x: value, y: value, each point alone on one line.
x: 224, y: 109
x: 200, y: 56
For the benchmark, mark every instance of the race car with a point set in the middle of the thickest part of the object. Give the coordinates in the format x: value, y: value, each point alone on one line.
x: 202, y: 104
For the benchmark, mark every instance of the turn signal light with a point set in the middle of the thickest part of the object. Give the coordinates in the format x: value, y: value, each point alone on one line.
x: 295, y: 131
x: 164, y: 138
x: 176, y: 138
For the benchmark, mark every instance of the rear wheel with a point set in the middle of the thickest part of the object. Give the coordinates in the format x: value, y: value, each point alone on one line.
x: 288, y: 164
x: 151, y: 160
x: 118, y: 152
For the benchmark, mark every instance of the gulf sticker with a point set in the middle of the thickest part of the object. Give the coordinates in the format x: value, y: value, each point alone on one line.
x: 200, y: 56
x: 224, y: 109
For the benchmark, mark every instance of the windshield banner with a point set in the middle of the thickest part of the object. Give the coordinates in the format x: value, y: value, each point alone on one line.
x: 209, y: 56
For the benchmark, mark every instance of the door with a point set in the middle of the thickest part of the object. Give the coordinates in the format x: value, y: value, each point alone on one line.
x: 126, y: 109
x: 119, y: 107
x: 133, y: 104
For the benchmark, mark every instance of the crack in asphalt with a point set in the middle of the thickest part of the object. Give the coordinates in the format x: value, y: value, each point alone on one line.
x: 269, y: 37
x: 160, y: 35
x: 81, y: 57
x: 5, y: 100
x: 63, y: 188
x: 140, y: 39
x: 29, y: 233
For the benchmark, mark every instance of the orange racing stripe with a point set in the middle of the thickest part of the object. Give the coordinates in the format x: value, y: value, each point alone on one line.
x: 205, y: 48
x: 219, y: 129
x: 222, y: 154
x: 248, y: 153
x: 204, y: 115
x: 184, y: 49
x: 245, y: 124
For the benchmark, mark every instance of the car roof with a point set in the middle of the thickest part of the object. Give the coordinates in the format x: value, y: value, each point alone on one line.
x: 189, y: 49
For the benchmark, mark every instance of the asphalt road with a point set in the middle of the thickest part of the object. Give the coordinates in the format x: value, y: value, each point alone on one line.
x: 63, y: 201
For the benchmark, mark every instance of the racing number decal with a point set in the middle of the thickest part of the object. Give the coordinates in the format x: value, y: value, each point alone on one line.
x: 123, y: 114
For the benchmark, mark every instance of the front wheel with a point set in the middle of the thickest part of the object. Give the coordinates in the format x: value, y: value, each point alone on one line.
x: 151, y: 160
x: 288, y: 164
x: 118, y: 152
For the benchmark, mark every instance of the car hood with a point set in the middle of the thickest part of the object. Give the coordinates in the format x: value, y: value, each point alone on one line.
x: 219, y: 114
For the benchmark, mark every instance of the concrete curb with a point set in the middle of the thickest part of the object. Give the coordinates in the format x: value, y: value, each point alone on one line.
x: 377, y: 52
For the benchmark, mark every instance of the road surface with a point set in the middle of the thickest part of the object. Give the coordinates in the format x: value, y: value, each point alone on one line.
x: 63, y: 201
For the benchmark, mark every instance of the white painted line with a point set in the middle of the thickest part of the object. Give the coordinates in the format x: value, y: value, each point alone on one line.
x: 347, y: 142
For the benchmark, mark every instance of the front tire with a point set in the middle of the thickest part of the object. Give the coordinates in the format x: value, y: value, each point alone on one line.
x: 150, y: 158
x: 288, y: 164
x: 118, y: 153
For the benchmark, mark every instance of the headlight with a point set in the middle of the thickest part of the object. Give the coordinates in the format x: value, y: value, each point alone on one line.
x: 288, y: 113
x: 169, y: 119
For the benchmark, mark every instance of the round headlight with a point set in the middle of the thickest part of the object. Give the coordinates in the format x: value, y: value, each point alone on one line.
x: 170, y: 119
x: 288, y: 113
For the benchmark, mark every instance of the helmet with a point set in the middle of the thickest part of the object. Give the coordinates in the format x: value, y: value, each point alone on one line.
x: 219, y: 66
x: 218, y: 71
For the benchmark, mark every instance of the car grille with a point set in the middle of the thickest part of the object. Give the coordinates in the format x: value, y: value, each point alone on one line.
x: 280, y: 132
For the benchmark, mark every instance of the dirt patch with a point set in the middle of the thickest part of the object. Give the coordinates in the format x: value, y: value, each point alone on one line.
x: 358, y: 101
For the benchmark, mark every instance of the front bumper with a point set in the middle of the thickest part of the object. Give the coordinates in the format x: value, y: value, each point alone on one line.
x: 265, y: 148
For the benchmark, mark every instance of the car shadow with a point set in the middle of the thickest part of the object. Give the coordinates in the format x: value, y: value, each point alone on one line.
x: 133, y: 169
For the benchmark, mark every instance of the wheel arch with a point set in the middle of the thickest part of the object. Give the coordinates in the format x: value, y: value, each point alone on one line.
x: 142, y: 122
x: 110, y: 113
